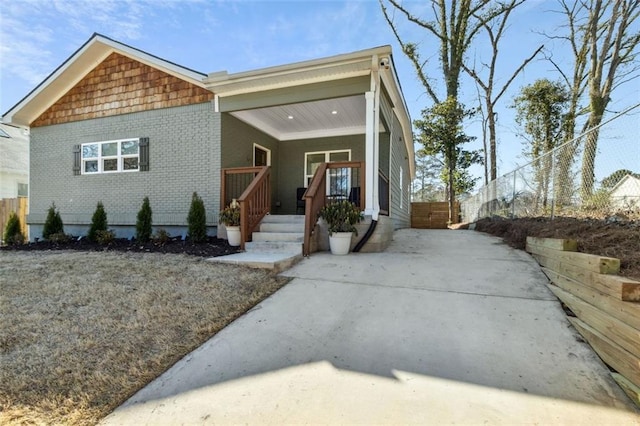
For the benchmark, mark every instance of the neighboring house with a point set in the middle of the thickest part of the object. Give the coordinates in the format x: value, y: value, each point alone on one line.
x: 116, y: 124
x: 625, y: 194
x: 14, y: 161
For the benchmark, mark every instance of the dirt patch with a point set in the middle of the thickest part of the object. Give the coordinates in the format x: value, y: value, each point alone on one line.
x: 82, y: 331
x: 211, y: 248
x: 613, y: 237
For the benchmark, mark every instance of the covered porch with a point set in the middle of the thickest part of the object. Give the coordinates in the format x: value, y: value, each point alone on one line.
x: 298, y: 136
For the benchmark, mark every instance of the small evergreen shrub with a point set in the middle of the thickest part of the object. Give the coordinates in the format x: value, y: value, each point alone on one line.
x: 161, y: 237
x: 59, y: 237
x: 12, y: 233
x: 53, y: 224
x: 144, y: 222
x: 98, y: 222
x: 105, y: 237
x: 197, y: 220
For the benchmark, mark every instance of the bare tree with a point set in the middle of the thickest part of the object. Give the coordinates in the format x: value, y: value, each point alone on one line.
x: 495, y: 30
x: 576, y: 81
x: 612, y: 45
x: 453, y: 25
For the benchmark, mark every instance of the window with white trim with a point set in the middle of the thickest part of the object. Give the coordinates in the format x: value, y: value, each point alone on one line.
x: 338, y: 180
x: 111, y: 156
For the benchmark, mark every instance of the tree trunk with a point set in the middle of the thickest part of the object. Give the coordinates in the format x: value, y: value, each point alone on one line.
x: 589, y: 160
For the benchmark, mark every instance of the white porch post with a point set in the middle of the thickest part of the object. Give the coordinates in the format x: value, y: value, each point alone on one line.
x: 372, y: 144
x: 369, y: 154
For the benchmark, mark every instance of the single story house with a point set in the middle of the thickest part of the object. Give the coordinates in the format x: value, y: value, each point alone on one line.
x: 116, y: 124
x: 625, y: 195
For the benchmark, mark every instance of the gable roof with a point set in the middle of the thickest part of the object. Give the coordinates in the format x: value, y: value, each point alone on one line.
x: 81, y: 62
x: 627, y: 180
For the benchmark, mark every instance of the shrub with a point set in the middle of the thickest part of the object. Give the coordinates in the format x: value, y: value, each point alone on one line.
x: 230, y: 216
x: 341, y: 216
x: 12, y: 233
x: 144, y: 222
x: 161, y: 237
x: 98, y: 222
x: 59, y: 237
x: 53, y: 224
x: 197, y: 220
x: 105, y: 237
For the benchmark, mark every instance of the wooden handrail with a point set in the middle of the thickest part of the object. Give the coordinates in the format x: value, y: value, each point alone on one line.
x: 233, y: 171
x: 255, y: 203
x: 315, y: 196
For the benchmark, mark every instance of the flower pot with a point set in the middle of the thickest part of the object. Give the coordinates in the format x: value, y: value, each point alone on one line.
x: 340, y: 242
x: 233, y: 235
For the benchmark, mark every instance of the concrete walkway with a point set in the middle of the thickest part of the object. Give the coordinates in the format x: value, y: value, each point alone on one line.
x: 444, y: 327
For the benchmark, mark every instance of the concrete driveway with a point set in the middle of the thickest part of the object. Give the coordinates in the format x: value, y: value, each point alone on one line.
x: 444, y: 327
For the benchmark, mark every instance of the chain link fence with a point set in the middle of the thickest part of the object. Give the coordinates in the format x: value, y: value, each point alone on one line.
x: 595, y: 175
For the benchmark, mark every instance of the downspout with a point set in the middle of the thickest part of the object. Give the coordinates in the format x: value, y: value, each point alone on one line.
x: 375, y: 83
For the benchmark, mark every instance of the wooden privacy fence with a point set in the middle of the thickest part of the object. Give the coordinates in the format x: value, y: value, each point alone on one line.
x: 606, y: 306
x: 432, y: 215
x: 18, y: 205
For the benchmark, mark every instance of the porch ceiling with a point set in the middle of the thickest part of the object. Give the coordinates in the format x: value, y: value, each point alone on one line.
x: 323, y: 118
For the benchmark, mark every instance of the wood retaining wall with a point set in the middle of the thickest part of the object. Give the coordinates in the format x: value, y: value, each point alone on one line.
x: 606, y: 306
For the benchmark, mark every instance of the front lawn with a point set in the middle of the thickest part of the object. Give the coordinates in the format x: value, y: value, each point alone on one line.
x: 81, y: 332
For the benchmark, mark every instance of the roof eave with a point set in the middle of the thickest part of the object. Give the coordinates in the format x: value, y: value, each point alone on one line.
x: 317, y: 70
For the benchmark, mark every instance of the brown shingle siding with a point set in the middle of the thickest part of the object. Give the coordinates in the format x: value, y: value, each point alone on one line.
x: 121, y: 85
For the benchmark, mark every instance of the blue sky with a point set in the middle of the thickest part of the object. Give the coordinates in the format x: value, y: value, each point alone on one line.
x: 36, y: 36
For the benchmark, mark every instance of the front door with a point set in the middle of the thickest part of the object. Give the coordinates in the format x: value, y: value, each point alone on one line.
x: 261, y: 156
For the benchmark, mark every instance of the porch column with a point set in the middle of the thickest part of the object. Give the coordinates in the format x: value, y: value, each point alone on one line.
x: 369, y: 154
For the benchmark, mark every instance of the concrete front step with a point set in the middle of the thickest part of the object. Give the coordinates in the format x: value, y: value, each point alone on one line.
x: 283, y: 218
x: 276, y: 262
x: 273, y: 247
x: 282, y: 227
x: 278, y: 236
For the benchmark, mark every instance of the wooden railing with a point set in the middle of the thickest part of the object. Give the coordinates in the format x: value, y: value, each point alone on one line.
x: 254, y: 200
x: 316, y: 195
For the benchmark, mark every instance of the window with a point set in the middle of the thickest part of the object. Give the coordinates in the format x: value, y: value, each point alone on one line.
x: 338, y: 180
x: 111, y: 156
x: 23, y: 190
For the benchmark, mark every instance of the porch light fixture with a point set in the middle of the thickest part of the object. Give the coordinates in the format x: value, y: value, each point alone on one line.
x: 290, y: 117
x: 334, y: 112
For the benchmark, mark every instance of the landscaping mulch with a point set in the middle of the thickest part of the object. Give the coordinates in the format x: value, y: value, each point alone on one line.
x: 176, y: 245
x: 611, y: 237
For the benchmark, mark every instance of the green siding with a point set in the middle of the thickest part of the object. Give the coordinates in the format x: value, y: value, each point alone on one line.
x: 291, y: 95
x: 237, y: 146
x: 291, y: 162
x: 400, y: 203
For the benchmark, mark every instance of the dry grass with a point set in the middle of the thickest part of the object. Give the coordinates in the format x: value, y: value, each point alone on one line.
x: 82, y: 332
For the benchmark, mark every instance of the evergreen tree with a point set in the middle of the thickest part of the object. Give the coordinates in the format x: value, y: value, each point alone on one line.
x: 197, y: 220
x: 53, y: 224
x: 144, y: 222
x: 98, y: 222
x: 12, y: 233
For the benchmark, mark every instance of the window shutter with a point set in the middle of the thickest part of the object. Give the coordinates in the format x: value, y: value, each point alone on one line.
x: 76, y: 160
x: 144, y: 154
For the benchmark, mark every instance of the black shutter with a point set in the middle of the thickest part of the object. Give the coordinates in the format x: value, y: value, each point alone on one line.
x: 76, y: 160
x: 144, y: 154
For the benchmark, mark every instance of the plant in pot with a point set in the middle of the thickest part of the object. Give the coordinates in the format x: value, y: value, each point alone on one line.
x: 230, y: 217
x: 341, y: 217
